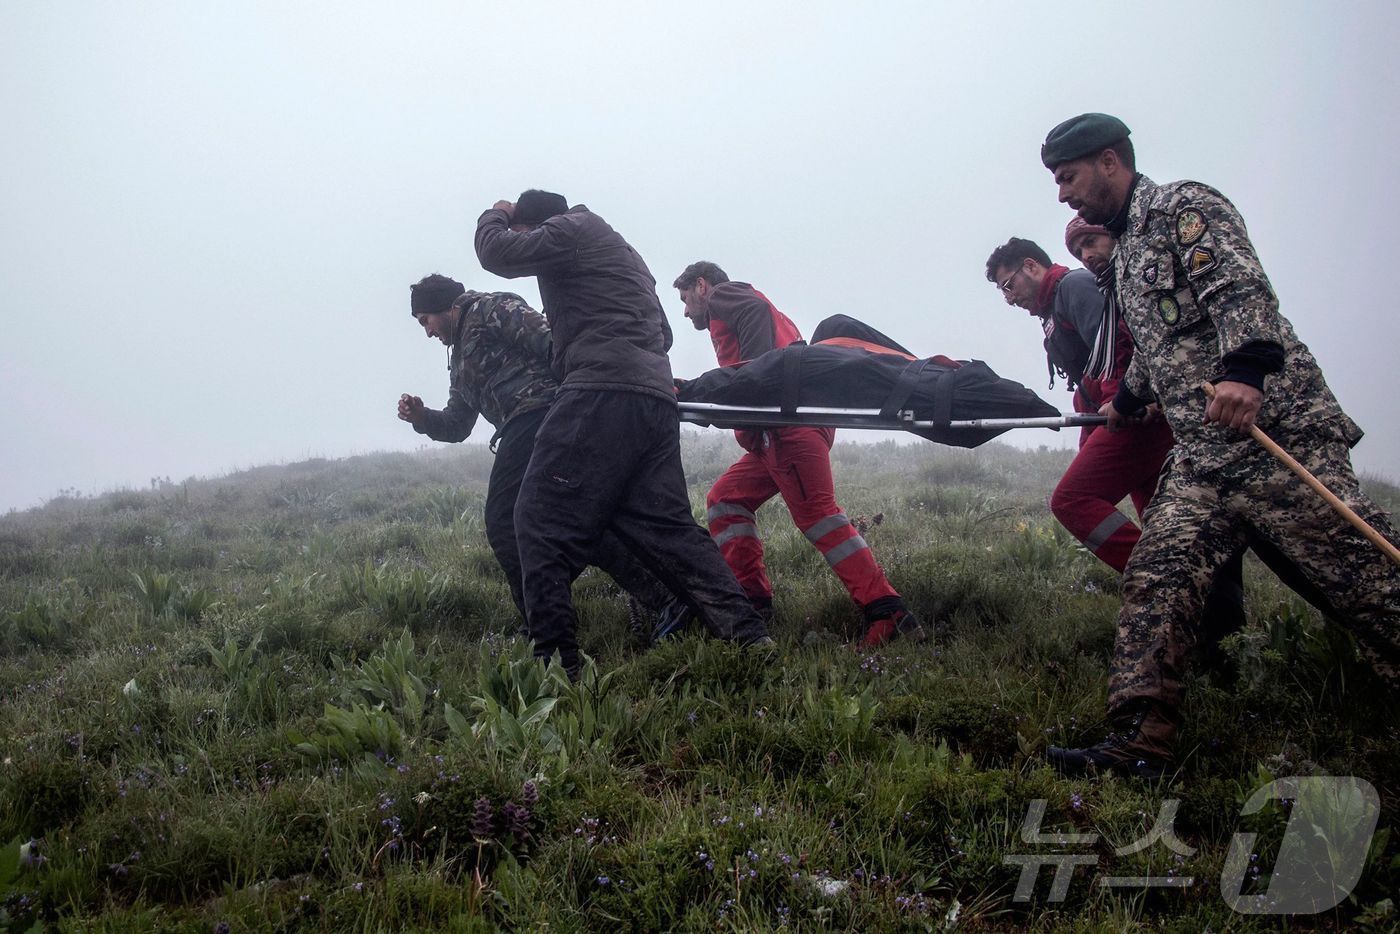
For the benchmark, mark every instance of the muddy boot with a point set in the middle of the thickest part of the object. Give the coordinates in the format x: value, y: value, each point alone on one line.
x: 1140, y: 745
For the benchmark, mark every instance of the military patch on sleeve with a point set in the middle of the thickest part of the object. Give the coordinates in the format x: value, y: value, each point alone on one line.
x: 1190, y: 226
x: 1149, y: 273
x: 1199, y: 261
x: 1168, y: 309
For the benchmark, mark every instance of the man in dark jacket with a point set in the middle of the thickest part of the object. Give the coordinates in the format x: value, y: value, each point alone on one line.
x: 793, y: 462
x: 607, y: 455
x: 499, y: 370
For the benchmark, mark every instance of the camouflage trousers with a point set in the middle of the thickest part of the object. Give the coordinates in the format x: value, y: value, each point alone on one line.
x: 1197, y: 521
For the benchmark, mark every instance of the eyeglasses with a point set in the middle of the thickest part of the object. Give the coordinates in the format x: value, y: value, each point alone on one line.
x: 1006, y: 286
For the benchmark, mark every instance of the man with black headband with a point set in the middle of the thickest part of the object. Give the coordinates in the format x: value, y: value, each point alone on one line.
x: 499, y: 369
x: 608, y: 452
x: 1200, y: 308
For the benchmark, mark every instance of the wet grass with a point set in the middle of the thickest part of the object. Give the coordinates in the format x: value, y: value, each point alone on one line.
x: 291, y: 699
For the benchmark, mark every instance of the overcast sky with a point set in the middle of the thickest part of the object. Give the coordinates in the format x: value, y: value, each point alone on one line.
x: 210, y: 213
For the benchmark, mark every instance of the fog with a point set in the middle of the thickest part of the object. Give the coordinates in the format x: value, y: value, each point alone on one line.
x: 210, y: 213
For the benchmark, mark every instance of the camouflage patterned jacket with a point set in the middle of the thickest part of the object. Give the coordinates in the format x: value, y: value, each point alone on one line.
x: 499, y: 366
x: 1192, y: 291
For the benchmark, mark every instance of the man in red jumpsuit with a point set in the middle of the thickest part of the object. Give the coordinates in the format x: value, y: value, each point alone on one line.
x: 1089, y: 345
x: 793, y: 462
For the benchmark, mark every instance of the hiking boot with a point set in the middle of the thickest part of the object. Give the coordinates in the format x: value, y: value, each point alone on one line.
x: 1140, y: 746
x: 900, y: 624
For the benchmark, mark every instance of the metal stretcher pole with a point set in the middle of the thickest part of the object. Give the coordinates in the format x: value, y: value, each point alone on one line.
x: 767, y: 416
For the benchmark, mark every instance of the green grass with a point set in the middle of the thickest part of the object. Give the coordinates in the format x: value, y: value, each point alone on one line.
x: 291, y: 699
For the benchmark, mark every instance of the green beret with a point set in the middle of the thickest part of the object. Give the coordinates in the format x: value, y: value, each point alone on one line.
x: 1077, y: 137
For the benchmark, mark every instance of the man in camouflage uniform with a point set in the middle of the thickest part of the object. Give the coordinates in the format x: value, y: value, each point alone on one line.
x: 1200, y: 308
x: 499, y: 370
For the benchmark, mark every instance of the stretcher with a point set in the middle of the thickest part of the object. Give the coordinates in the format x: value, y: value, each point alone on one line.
x: 856, y: 377
x: 715, y: 415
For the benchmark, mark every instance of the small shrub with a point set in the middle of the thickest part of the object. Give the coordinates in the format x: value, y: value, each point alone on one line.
x: 401, y: 601
x: 233, y: 659
x: 156, y: 590
x: 446, y: 505
x: 362, y: 735
x: 396, y: 677
x: 43, y: 624
x: 191, y: 605
x: 1040, y: 549
x: 196, y: 855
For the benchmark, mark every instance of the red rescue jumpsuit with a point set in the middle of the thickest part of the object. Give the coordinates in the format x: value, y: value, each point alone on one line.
x: 793, y: 462
x: 1109, y: 465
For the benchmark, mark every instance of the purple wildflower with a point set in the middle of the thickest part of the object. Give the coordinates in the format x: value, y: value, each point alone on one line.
x: 517, y: 820
x: 482, y: 819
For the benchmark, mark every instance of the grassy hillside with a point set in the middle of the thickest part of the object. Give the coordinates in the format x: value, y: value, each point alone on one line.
x: 291, y: 699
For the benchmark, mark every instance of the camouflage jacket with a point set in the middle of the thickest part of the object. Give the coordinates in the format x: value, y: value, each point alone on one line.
x: 1192, y: 290
x: 499, y: 366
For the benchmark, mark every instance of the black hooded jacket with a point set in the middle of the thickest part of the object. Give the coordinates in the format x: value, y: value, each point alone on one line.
x: 607, y: 326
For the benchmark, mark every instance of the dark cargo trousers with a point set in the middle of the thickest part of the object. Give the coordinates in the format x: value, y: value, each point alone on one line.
x: 513, y: 449
x: 1196, y: 522
x: 611, y: 461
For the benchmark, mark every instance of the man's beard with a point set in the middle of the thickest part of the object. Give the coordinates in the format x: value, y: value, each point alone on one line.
x: 1097, y: 208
